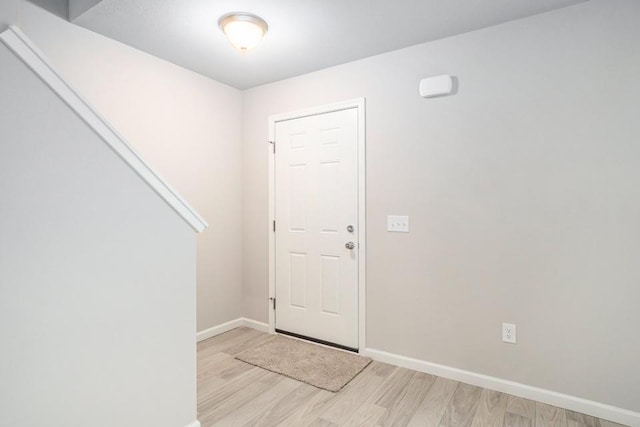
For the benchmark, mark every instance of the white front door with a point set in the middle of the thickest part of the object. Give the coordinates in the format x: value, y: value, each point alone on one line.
x: 316, y: 238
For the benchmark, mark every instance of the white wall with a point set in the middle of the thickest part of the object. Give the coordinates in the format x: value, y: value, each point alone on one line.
x: 184, y: 125
x: 97, y: 275
x: 9, y: 10
x: 59, y: 8
x: 78, y: 7
x: 522, y: 191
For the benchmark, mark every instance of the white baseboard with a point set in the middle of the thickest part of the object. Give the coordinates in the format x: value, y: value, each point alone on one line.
x: 218, y: 329
x: 232, y: 324
x: 599, y: 410
x: 254, y: 324
x: 195, y: 423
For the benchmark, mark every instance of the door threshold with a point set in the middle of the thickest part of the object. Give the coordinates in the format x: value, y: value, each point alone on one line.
x: 318, y: 341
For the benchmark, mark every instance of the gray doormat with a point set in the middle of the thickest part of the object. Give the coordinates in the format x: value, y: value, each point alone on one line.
x: 322, y: 367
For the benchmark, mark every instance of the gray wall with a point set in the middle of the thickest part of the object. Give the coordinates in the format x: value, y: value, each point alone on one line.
x: 522, y: 191
x: 60, y: 8
x: 97, y: 276
x: 9, y: 10
x: 78, y: 7
x: 186, y: 126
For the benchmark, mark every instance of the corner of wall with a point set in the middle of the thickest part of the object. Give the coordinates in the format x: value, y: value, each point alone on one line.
x: 9, y: 13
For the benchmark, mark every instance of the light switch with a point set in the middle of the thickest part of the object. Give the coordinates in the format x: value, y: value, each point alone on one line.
x: 398, y: 224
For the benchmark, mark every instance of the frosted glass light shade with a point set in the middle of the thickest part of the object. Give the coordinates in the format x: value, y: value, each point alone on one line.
x: 244, y: 30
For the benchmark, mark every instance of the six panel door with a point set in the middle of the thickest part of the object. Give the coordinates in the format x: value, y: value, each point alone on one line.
x: 316, y: 211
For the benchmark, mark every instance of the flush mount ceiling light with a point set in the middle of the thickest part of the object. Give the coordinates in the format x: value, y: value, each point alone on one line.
x: 243, y: 30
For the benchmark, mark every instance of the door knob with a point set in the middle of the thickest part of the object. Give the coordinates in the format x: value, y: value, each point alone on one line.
x: 349, y: 245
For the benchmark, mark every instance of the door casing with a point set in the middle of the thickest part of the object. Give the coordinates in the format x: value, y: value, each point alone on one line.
x: 359, y: 104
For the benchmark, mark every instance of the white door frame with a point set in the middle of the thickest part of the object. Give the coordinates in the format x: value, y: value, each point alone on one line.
x: 359, y: 104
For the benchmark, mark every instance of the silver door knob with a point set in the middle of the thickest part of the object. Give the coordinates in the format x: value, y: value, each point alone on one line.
x: 349, y: 245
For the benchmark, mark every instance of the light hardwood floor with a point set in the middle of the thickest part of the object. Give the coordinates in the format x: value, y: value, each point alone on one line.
x: 233, y: 393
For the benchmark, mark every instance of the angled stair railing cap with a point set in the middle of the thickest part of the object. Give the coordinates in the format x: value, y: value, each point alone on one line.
x: 24, y: 49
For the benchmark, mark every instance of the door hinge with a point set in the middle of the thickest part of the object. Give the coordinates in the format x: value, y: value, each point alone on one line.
x: 274, y: 302
x: 273, y: 143
x: 274, y: 226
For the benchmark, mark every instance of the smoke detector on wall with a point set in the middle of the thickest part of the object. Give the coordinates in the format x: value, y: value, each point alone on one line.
x: 433, y: 87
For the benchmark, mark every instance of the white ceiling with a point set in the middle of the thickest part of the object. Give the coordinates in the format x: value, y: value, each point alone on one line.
x: 304, y: 35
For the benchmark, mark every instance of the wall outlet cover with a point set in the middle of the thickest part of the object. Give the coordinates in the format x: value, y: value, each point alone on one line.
x: 509, y: 333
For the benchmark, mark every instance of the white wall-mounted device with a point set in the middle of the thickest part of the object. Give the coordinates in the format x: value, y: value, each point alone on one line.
x: 509, y: 333
x: 436, y: 86
x: 398, y: 223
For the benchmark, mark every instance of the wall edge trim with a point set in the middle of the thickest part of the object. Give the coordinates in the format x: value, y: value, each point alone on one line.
x: 32, y: 57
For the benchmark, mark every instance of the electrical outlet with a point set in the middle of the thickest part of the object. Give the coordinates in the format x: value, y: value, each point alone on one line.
x: 509, y: 333
x: 398, y: 223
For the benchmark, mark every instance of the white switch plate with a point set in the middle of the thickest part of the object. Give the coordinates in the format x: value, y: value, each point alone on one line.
x: 509, y: 333
x: 398, y: 223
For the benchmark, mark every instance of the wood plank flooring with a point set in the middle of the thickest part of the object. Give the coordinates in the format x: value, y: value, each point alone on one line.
x: 233, y: 393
